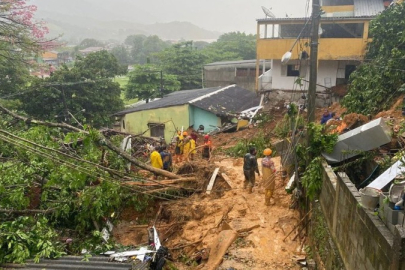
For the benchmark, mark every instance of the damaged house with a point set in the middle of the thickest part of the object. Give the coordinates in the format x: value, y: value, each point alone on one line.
x: 208, y: 107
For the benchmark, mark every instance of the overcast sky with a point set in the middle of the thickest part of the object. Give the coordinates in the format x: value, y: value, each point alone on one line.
x: 216, y: 15
x: 223, y: 15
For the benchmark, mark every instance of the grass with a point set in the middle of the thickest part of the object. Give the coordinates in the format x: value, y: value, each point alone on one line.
x: 123, y: 81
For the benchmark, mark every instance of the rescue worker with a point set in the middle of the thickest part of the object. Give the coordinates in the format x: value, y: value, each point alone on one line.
x: 187, y: 147
x: 269, y: 175
x: 178, y: 150
x: 249, y: 168
x: 194, y: 136
x: 207, y: 147
x: 156, y: 161
x: 192, y: 148
x: 166, y: 159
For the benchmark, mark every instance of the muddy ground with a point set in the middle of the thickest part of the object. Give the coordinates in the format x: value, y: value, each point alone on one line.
x: 189, y: 226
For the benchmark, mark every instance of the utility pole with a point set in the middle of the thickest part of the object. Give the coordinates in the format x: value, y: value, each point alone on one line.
x: 313, y: 74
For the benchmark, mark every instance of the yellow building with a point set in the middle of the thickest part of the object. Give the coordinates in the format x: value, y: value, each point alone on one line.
x: 343, y: 38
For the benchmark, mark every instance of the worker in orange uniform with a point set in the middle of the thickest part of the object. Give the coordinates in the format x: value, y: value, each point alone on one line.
x: 156, y: 161
x: 269, y: 176
x: 207, y: 147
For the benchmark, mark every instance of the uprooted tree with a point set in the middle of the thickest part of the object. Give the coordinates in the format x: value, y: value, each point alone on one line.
x: 61, y: 180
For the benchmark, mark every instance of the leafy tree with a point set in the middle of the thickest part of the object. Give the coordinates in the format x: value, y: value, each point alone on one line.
x: 20, y: 34
x: 184, y: 61
x: 144, y: 47
x: 13, y: 78
x: 67, y: 191
x: 85, y: 91
x: 145, y: 83
x: 232, y: 46
x: 90, y: 42
x: 121, y: 53
x: 377, y: 81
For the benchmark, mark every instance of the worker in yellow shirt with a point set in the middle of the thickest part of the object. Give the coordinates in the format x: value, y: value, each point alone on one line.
x: 189, y: 148
x: 156, y: 161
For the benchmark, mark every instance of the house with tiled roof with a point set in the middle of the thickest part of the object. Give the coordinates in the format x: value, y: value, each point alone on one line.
x: 208, y: 107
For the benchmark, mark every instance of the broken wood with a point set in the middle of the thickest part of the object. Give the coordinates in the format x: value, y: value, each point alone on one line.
x: 160, y: 183
x: 296, y: 226
x: 212, y: 181
x: 227, y: 180
x: 103, y: 141
x: 219, y: 248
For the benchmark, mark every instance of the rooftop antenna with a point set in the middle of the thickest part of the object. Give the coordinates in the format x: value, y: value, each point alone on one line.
x: 268, y: 13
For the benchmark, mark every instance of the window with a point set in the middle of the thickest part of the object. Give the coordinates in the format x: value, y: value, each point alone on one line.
x: 342, y: 30
x: 293, y: 71
x: 157, y: 130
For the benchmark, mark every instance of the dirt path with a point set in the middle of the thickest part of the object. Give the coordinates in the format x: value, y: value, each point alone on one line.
x: 261, y: 229
x: 264, y: 248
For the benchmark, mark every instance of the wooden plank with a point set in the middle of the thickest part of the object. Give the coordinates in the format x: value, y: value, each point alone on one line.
x: 227, y: 180
x: 212, y: 181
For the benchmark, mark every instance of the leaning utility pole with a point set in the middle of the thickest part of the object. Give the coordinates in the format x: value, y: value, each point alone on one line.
x: 316, y: 15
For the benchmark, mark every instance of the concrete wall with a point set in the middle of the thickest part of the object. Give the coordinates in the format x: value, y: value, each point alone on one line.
x: 201, y: 117
x: 172, y: 117
x: 327, y: 71
x: 363, y: 241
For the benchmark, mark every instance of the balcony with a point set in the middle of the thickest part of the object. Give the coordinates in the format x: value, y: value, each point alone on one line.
x: 329, y: 48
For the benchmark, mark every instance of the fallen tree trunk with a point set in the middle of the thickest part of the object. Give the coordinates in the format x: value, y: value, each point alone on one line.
x: 103, y: 141
x: 163, y: 182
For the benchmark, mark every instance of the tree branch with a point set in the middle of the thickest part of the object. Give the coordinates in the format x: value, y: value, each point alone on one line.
x: 103, y: 142
x: 27, y: 211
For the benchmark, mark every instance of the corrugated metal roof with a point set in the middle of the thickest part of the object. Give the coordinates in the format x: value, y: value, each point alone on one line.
x: 238, y: 62
x: 77, y: 263
x: 217, y: 100
x: 232, y: 100
x: 368, y: 7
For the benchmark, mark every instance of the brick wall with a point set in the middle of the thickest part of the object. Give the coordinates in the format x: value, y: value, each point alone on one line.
x: 362, y: 239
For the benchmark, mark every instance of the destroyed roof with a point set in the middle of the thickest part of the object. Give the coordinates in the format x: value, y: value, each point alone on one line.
x: 217, y: 100
x: 368, y: 7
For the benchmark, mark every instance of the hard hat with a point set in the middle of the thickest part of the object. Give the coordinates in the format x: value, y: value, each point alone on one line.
x: 185, y: 133
x: 267, y: 152
x: 206, y: 136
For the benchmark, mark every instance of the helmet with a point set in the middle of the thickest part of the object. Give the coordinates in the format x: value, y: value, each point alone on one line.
x: 267, y: 152
x: 206, y: 137
x: 185, y: 133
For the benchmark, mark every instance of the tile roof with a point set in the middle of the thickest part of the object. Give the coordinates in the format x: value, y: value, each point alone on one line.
x: 368, y: 7
x: 217, y: 100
